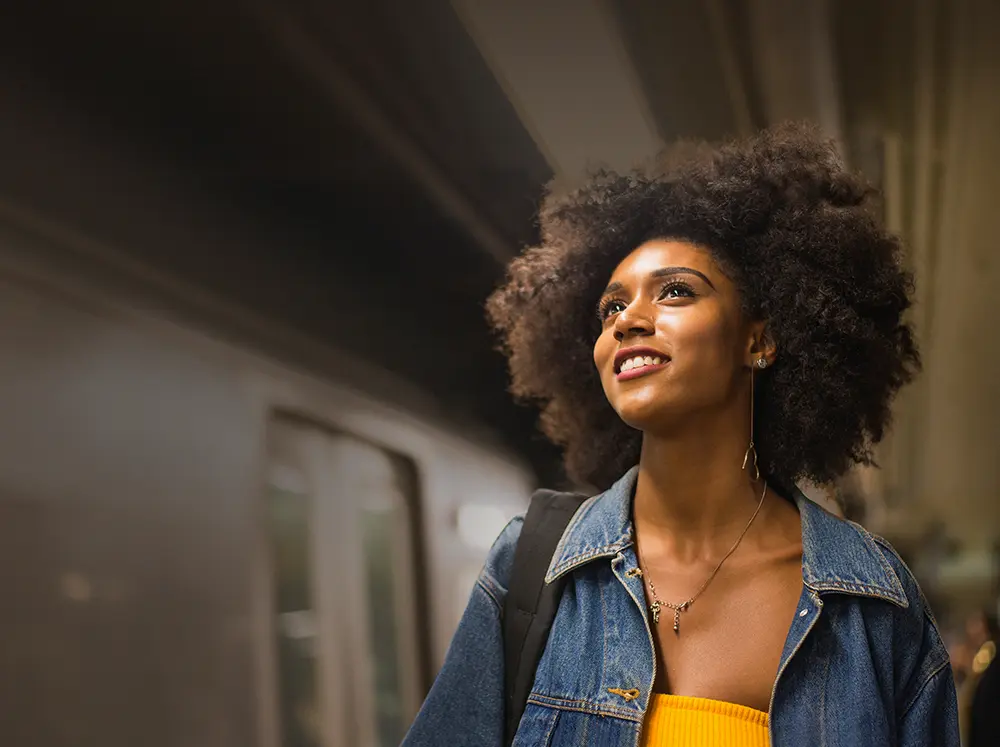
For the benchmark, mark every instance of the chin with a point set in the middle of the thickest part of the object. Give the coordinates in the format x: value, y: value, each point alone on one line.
x: 646, y: 413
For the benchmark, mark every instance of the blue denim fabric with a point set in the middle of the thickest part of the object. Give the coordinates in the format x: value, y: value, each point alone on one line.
x: 863, y: 666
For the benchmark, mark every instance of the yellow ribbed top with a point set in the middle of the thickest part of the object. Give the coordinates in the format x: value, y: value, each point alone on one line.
x: 682, y: 721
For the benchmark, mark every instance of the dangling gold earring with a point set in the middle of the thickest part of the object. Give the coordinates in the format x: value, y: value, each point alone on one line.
x: 761, y: 363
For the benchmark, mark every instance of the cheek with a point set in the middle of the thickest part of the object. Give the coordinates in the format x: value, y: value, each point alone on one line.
x: 604, y: 349
x: 708, y: 339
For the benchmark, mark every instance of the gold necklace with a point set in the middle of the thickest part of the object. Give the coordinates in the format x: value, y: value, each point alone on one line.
x: 654, y: 608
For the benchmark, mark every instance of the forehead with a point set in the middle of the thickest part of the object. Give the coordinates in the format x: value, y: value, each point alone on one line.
x: 658, y: 253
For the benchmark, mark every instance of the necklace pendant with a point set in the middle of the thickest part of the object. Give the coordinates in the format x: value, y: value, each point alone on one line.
x: 655, y: 609
x: 677, y: 620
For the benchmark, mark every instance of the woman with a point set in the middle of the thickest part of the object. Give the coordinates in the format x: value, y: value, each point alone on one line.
x: 702, y: 335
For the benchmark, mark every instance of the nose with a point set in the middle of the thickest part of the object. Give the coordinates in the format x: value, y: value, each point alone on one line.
x: 632, y: 322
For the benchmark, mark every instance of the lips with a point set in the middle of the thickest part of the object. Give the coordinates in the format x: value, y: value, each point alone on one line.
x: 631, y: 363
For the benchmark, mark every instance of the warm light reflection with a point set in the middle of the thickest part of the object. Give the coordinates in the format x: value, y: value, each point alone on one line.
x: 984, y: 657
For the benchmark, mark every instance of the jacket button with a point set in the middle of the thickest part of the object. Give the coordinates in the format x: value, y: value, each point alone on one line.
x: 628, y: 695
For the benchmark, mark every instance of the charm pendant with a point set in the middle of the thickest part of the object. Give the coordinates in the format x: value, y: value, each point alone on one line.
x: 655, y: 609
x: 678, y: 609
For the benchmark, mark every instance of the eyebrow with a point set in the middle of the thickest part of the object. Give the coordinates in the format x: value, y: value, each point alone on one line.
x: 662, y: 272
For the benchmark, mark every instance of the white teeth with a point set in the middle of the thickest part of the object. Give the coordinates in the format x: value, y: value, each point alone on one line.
x: 640, y: 361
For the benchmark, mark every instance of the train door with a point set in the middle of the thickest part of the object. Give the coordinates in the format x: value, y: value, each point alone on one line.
x: 343, y: 530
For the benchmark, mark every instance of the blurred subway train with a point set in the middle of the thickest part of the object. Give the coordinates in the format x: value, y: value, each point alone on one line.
x: 201, y: 544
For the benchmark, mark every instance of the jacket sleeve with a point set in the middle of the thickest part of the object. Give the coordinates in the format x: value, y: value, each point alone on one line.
x: 465, y: 704
x: 927, y: 708
x: 932, y: 718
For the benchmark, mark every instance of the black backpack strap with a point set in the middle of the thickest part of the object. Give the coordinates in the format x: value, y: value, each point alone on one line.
x: 531, y: 604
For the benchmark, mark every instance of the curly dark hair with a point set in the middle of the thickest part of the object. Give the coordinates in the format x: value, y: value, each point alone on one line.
x: 794, y: 230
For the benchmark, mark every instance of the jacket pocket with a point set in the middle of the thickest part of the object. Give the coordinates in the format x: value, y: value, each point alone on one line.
x: 538, y: 725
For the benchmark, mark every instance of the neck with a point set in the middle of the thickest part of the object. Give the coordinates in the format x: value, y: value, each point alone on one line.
x: 692, y: 495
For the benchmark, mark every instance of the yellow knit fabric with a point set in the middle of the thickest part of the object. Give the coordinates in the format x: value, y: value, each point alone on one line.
x: 682, y: 721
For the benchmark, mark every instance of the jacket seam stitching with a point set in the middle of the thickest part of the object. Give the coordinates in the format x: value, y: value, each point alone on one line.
x: 583, y: 706
x: 928, y: 612
x: 574, y: 522
x: 859, y: 590
x: 580, y: 558
x: 484, y: 583
x: 916, y: 696
x: 550, y: 732
x: 886, y: 566
x: 882, y: 546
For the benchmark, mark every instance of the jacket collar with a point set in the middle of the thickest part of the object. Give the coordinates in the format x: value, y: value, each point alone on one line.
x: 838, y: 556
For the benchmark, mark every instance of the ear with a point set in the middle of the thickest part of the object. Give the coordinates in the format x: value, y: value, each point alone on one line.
x: 760, y: 343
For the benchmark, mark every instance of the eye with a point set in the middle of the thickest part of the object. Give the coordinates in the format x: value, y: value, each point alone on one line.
x: 609, y: 307
x: 676, y: 289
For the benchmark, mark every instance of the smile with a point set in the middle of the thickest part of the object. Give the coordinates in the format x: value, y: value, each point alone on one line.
x: 641, y: 367
x: 635, y: 362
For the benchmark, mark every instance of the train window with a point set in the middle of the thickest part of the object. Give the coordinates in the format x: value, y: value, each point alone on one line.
x: 353, y: 506
x: 289, y: 517
x: 385, y: 531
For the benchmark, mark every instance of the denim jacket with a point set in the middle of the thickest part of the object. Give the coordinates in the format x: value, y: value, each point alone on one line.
x: 863, y: 663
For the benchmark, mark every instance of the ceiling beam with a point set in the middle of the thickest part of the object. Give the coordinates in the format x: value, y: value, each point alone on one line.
x: 565, y: 68
x: 311, y: 57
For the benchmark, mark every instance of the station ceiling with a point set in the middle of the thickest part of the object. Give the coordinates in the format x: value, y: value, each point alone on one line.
x: 388, y: 158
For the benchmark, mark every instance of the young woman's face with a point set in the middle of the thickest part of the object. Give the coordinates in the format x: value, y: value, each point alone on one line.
x: 673, y: 340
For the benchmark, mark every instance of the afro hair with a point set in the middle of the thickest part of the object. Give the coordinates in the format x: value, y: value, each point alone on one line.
x: 798, y: 235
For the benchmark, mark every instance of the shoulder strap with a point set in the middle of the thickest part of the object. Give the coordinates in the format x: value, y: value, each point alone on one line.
x: 531, y: 604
